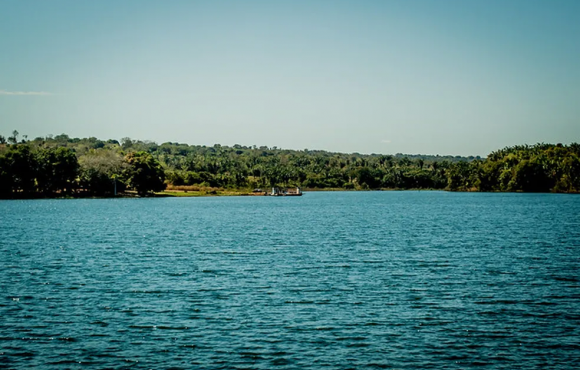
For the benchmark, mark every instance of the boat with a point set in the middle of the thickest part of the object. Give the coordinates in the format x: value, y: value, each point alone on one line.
x: 286, y: 192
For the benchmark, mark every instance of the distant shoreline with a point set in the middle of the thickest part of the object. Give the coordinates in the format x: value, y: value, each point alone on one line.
x: 245, y: 193
x: 72, y: 167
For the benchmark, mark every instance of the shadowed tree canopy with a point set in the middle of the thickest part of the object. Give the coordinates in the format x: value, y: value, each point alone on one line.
x: 57, y: 170
x: 144, y: 173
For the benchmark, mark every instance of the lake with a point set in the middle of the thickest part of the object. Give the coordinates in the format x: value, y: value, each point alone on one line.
x: 337, y: 280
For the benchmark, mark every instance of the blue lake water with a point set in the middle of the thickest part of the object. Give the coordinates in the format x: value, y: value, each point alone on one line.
x: 337, y: 280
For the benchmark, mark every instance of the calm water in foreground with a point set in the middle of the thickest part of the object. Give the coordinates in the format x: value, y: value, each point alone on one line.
x: 329, y: 280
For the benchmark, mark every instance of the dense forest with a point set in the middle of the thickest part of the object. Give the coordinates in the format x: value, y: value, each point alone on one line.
x: 64, y: 166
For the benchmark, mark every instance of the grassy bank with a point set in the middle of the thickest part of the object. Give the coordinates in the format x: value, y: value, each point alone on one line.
x: 201, y: 191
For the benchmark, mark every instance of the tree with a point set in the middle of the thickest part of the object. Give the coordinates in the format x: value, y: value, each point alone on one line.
x: 530, y: 176
x: 14, y: 138
x: 460, y: 176
x: 18, y: 169
x: 6, y: 179
x: 101, y: 172
x: 144, y: 174
x: 62, y: 139
x: 57, y: 170
x: 126, y: 143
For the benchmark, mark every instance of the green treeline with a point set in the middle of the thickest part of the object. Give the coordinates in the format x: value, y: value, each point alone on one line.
x: 74, y: 167
x: 524, y: 168
x: 64, y: 166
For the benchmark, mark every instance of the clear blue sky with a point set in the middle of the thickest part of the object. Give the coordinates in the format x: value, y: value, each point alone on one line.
x: 415, y: 76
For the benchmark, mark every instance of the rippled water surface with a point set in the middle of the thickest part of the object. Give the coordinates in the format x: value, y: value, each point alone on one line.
x: 328, y: 280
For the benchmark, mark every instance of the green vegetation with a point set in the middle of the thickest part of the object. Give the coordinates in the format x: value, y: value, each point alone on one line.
x: 62, y: 166
x: 537, y: 168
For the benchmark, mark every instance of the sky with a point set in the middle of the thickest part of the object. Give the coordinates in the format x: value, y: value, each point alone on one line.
x: 448, y: 77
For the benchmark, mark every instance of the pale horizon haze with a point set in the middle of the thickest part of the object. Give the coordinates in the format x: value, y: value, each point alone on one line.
x: 449, y: 77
